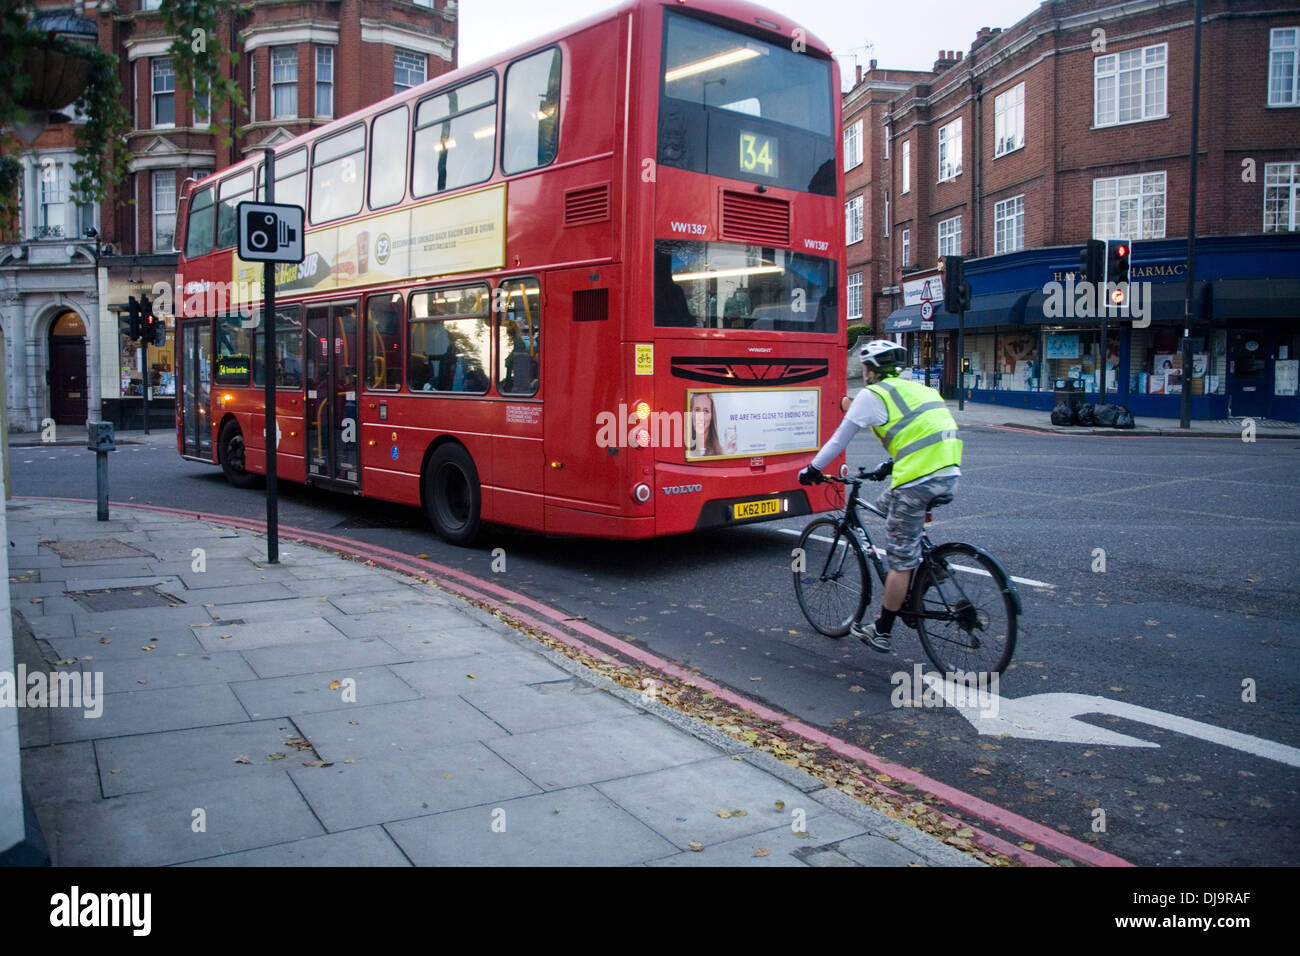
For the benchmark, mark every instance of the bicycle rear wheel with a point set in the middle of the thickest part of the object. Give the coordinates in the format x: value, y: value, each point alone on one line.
x: 965, y: 611
x: 833, y: 587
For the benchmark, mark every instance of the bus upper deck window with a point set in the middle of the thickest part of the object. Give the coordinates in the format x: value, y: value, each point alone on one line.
x: 532, y: 123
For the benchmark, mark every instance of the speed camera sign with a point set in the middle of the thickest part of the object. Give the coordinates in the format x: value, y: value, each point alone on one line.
x: 270, y: 232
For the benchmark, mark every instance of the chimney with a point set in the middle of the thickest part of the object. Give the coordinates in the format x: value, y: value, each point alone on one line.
x: 873, y: 64
x: 859, y: 79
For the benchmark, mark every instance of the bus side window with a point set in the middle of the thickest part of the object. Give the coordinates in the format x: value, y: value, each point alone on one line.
x: 388, y: 158
x: 198, y: 235
x: 532, y: 114
x: 233, y: 351
x: 338, y: 163
x: 519, y: 337
x: 383, y: 342
x: 449, y: 340
x: 235, y: 190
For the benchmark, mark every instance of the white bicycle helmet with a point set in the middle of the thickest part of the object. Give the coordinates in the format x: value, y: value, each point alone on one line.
x: 882, y: 354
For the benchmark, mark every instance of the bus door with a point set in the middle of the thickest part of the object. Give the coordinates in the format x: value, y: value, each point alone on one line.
x: 195, y: 368
x: 332, y: 430
x: 582, y: 364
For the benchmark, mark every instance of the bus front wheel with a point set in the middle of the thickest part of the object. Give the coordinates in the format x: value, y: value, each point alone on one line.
x: 452, y: 497
x: 230, y: 446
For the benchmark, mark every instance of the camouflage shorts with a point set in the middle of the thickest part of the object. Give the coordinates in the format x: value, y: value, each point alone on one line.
x: 906, y: 509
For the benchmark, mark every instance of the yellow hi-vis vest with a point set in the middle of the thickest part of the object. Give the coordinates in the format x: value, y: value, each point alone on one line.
x: 920, y: 435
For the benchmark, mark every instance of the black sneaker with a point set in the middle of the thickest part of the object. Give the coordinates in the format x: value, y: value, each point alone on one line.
x: 872, y: 638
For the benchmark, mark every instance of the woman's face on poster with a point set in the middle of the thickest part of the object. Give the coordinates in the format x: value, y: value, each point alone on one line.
x: 702, y: 417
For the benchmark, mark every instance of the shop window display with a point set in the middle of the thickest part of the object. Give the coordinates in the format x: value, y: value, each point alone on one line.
x: 161, y: 371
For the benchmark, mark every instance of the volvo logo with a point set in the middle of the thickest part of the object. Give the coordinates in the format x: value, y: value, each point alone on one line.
x: 682, y: 489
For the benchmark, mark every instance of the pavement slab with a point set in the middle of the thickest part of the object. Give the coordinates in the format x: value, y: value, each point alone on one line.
x: 409, y: 726
x: 368, y: 846
x: 146, y: 711
x: 310, y: 693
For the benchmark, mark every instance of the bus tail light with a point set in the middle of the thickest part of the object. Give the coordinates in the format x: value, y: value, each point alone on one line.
x: 641, y: 493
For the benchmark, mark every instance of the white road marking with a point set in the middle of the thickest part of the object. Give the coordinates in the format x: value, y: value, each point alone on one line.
x: 1052, y: 717
x: 880, y: 552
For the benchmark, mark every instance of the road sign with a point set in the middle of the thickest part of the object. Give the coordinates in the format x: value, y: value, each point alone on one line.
x: 927, y: 311
x: 270, y: 232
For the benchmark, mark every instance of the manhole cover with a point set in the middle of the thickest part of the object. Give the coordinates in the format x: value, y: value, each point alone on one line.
x: 123, y: 599
x: 95, y: 549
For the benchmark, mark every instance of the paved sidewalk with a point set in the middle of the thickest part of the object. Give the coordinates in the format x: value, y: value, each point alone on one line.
x: 323, y: 712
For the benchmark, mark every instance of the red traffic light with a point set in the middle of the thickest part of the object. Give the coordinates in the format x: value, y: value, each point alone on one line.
x: 1121, y: 251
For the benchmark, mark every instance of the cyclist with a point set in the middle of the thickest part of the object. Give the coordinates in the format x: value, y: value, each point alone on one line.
x: 912, y: 421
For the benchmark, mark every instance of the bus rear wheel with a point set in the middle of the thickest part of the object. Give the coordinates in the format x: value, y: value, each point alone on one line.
x: 453, y: 499
x: 230, y: 449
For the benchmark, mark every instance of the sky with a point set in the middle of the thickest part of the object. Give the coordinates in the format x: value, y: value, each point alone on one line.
x: 906, y: 35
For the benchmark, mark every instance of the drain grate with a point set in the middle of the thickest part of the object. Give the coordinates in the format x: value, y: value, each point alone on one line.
x: 123, y: 599
x: 95, y: 549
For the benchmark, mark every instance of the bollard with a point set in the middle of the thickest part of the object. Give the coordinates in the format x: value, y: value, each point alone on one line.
x: 100, y: 440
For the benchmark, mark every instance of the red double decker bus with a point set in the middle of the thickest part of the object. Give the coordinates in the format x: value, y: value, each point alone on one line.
x: 589, y: 288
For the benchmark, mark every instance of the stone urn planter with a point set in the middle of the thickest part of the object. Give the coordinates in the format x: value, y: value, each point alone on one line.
x: 59, y: 77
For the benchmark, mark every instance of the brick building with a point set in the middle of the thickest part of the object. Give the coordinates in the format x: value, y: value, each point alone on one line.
x: 1075, y: 123
x: 67, y: 268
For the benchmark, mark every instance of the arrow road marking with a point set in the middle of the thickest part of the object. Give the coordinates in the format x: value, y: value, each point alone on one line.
x: 1052, y: 717
x: 880, y: 552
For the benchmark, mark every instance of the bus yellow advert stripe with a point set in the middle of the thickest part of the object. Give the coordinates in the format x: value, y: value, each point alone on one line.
x: 460, y: 234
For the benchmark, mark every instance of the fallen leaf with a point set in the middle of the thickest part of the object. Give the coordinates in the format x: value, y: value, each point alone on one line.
x: 301, y: 743
x: 762, y: 852
x: 275, y: 756
x: 738, y: 813
x: 317, y: 763
x: 115, y: 771
x: 982, y: 771
x: 472, y: 676
x: 335, y: 685
x: 106, y: 640
x: 780, y: 804
x: 242, y: 759
x: 697, y: 847
x: 725, y: 814
x: 1028, y: 846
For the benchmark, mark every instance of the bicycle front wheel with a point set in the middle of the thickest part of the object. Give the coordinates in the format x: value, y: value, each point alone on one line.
x: 965, y: 611
x: 830, y: 577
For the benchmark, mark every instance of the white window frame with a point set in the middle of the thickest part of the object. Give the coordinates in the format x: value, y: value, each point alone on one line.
x: 163, y: 178
x: 147, y: 5
x: 52, y: 194
x: 907, y: 248
x: 1139, y: 195
x: 327, y: 84
x: 284, y: 82
x: 853, y: 220
x: 398, y: 52
x: 885, y: 144
x: 155, y: 75
x: 1287, y: 184
x: 886, y: 231
x: 853, y: 146
x: 202, y: 108
x: 1108, y: 76
x: 1009, y: 121
x: 907, y: 166
x: 1009, y: 225
x: 855, y: 286
x: 1280, y: 52
x: 950, y: 244
x: 950, y: 147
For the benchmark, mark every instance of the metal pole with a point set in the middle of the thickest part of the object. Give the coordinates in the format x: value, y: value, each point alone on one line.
x: 1185, y: 406
x: 268, y: 364
x: 1101, y: 379
x: 961, y: 360
x: 101, y: 484
x: 144, y: 377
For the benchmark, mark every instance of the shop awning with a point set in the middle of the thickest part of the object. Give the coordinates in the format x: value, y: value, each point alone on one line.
x: 1001, y: 308
x: 1256, y: 299
x: 1167, y: 304
x: 906, y: 319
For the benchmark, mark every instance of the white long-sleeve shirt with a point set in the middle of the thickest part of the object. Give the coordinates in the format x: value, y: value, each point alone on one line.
x: 866, y: 411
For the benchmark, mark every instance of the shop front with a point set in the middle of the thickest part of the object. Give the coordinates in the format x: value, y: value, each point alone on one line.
x: 1031, y: 331
x: 132, y: 367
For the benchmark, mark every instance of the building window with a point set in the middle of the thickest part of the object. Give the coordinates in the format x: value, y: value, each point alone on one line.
x: 284, y: 82
x: 164, y: 93
x: 886, y: 231
x: 853, y: 220
x: 885, y: 145
x: 907, y: 248
x: 1129, y: 207
x: 1009, y: 225
x: 1129, y: 87
x: 164, y: 209
x: 1284, y: 67
x: 855, y: 296
x: 52, y: 214
x: 950, y: 150
x: 907, y: 167
x: 202, y: 108
x: 1009, y: 120
x: 1281, y: 197
x: 853, y: 146
x: 252, y: 86
x: 324, y: 81
x: 408, y: 69
x: 150, y: 5
x: 950, y: 237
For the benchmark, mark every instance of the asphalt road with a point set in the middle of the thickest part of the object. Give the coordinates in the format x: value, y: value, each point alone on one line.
x: 1196, y: 614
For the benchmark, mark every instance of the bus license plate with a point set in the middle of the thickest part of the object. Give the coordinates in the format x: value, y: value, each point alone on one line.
x: 756, y: 509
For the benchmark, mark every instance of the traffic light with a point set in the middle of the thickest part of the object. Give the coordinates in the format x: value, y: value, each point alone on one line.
x: 133, y: 318
x: 1092, y: 261
x: 1117, y: 267
x: 956, y: 293
x: 147, y: 321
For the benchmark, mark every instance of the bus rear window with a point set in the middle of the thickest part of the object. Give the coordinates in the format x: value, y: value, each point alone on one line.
x: 713, y: 285
x: 736, y: 106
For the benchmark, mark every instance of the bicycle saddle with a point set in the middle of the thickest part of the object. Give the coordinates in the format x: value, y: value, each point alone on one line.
x: 940, y: 500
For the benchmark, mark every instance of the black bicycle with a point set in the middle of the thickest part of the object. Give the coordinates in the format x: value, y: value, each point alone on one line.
x: 961, y: 602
